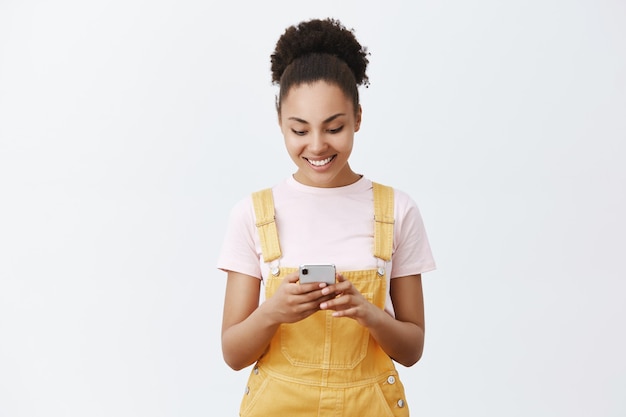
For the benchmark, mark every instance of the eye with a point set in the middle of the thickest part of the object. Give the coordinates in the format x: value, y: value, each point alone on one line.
x: 336, y: 130
x: 299, y: 132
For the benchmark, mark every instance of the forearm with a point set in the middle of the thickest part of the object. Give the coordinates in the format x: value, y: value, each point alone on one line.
x: 244, y: 343
x: 402, y: 341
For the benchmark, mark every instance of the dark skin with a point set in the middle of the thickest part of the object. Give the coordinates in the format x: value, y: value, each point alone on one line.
x: 307, y: 119
x: 248, y: 327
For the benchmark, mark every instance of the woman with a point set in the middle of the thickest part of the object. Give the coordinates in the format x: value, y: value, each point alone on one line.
x: 323, y: 348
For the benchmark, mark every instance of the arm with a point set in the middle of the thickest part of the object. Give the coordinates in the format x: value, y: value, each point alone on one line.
x: 244, y: 335
x: 408, y: 304
x: 248, y: 328
x: 402, y: 337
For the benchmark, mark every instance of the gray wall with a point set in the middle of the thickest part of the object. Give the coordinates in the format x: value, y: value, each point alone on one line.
x: 129, y: 128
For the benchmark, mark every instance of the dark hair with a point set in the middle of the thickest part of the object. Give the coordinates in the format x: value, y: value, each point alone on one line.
x: 319, y: 50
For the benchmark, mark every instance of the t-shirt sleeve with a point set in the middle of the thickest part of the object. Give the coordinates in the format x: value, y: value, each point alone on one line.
x: 239, y: 250
x: 412, y: 253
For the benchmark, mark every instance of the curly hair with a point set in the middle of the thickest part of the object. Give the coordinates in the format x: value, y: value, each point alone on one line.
x: 317, y: 50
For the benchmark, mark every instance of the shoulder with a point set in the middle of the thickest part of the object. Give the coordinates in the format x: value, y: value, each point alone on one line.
x: 402, y: 200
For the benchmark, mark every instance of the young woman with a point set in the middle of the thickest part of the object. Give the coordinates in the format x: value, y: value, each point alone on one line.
x: 323, y: 348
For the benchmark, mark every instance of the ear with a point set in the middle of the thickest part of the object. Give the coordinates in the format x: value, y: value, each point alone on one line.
x: 357, y: 121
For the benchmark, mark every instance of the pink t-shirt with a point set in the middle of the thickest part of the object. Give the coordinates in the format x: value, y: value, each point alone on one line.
x: 327, y: 226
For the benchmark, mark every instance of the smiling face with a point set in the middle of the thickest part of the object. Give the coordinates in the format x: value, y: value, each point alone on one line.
x: 318, y: 123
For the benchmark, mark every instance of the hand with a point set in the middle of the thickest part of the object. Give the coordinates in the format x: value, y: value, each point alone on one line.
x: 293, y: 302
x: 349, y: 302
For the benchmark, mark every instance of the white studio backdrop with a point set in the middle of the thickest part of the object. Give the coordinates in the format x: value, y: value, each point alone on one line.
x: 128, y: 129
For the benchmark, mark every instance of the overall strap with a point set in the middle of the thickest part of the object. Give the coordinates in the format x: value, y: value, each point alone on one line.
x: 263, y: 202
x: 384, y: 220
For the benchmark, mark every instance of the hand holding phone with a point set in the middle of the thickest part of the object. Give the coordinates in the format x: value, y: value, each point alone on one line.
x: 317, y: 273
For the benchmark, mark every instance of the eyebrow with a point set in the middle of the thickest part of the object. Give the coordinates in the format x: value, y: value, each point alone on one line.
x: 330, y: 119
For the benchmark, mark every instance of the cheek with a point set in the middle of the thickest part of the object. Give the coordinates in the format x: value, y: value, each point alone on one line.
x: 293, y: 147
x: 346, y: 142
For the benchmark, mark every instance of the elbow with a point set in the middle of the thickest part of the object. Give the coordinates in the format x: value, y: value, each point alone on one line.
x: 409, y: 360
x: 234, y: 361
x: 412, y: 359
x: 231, y: 356
x: 234, y: 364
x: 236, y: 355
x: 413, y: 355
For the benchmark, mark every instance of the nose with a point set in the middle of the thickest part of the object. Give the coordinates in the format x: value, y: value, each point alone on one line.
x: 317, y: 143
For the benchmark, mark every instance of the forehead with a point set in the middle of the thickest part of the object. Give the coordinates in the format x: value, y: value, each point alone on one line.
x: 317, y: 99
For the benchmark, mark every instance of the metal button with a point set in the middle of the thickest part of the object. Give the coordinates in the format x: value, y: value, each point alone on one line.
x: 255, y: 370
x: 381, y: 271
x: 275, y: 271
x: 401, y: 403
x: 391, y: 379
x: 248, y: 391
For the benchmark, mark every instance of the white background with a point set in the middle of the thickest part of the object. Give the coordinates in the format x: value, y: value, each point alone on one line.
x: 129, y: 128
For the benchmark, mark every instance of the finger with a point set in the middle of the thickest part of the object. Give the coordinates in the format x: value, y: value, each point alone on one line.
x: 313, y: 286
x: 291, y: 278
x: 342, y: 285
x: 338, y: 279
x: 324, y: 298
x: 315, y: 297
x: 350, y: 312
x: 314, y: 306
x: 336, y: 303
x: 339, y: 289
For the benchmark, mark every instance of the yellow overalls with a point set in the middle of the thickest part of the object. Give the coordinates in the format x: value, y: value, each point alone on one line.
x: 323, y: 365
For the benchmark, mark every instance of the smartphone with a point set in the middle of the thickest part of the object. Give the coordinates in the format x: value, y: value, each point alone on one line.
x: 317, y: 273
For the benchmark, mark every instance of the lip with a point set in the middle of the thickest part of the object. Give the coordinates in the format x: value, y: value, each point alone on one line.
x: 312, y: 161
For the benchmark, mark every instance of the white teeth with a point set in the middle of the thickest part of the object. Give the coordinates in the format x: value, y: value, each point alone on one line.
x: 320, y: 163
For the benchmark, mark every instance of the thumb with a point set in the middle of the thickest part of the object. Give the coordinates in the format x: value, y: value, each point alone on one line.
x: 292, y: 278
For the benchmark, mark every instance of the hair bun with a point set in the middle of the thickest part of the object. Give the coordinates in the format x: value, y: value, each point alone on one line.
x: 327, y: 36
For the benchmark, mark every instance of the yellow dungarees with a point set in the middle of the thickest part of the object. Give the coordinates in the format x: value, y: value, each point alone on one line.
x: 322, y: 365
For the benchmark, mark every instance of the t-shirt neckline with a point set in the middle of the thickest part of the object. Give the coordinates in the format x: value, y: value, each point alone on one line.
x: 361, y: 184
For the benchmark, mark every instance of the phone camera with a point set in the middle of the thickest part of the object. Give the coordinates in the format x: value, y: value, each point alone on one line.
x: 305, y: 271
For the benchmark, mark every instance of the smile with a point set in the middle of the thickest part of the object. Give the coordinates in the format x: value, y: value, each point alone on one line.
x: 321, y: 162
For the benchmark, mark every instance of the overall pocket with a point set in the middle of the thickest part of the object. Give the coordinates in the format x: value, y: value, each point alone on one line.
x: 391, y: 393
x: 324, y: 341
x: 257, y: 383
